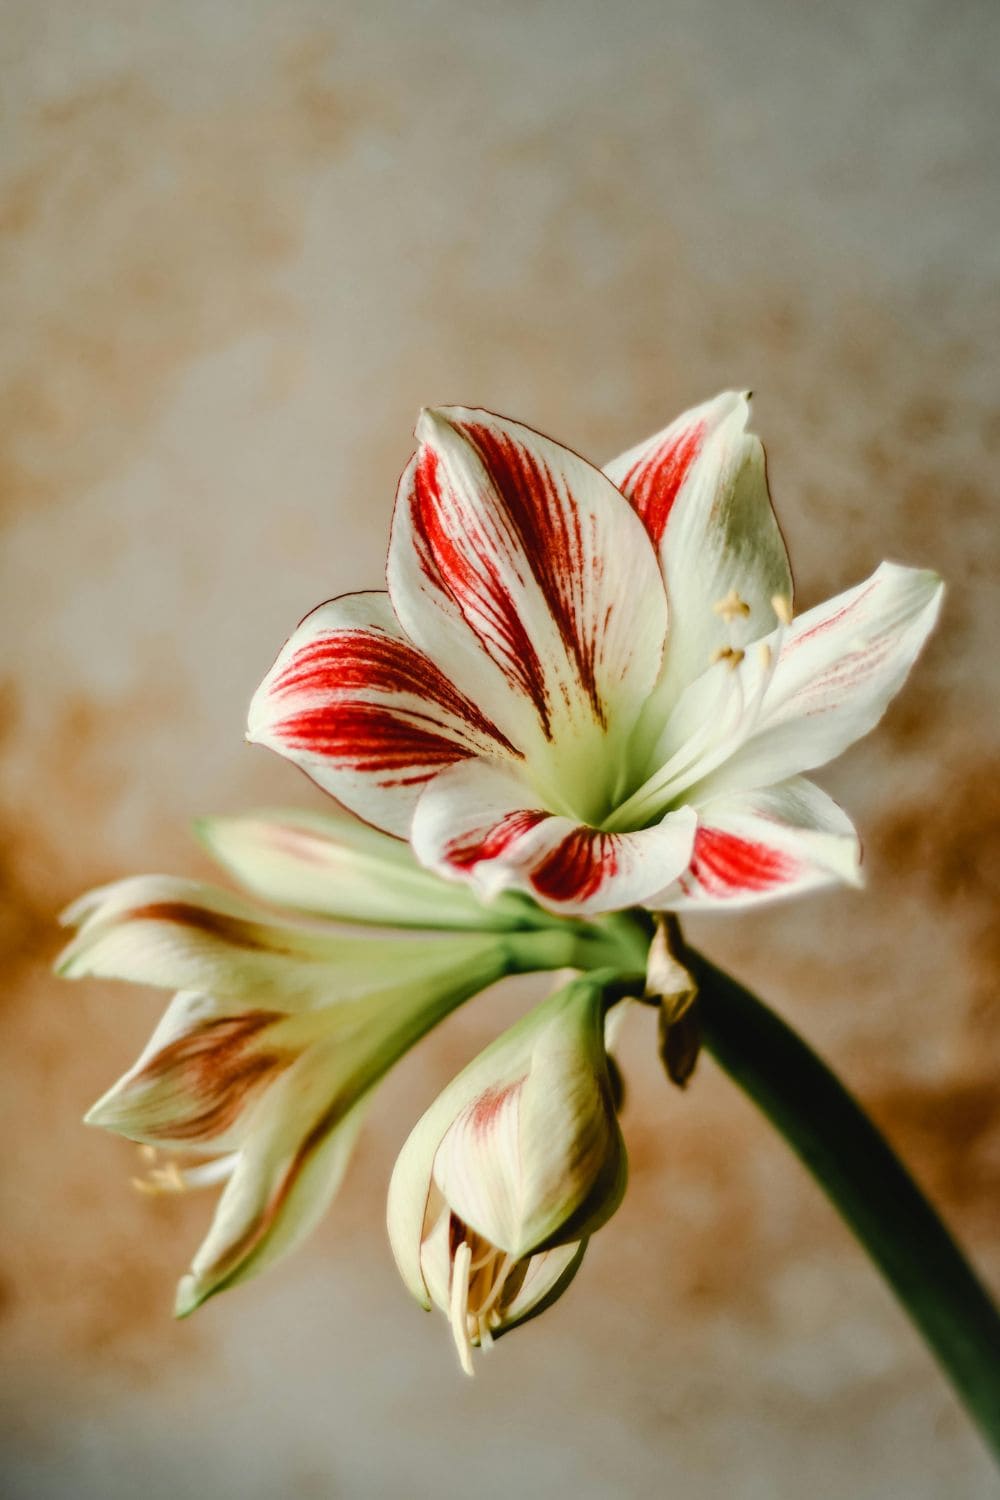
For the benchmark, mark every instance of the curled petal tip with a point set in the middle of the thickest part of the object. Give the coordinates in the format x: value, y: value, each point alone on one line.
x: 433, y: 422
x: 189, y: 1296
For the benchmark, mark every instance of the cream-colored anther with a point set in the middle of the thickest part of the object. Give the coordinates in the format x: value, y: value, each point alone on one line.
x: 782, y: 607
x: 731, y: 655
x: 168, y: 1179
x: 731, y: 607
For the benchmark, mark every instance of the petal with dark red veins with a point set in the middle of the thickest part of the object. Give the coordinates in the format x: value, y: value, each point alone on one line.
x: 484, y: 824
x: 365, y: 713
x: 518, y: 568
x: 700, y: 487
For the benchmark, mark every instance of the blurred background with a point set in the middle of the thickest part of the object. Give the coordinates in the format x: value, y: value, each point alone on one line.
x: 242, y: 243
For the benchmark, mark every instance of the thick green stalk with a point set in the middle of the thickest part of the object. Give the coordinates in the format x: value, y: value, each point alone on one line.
x: 577, y: 946
x: 865, y: 1181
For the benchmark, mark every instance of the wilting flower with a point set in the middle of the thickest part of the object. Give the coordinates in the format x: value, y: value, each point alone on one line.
x: 263, y: 1062
x: 518, y: 1161
x: 589, y: 686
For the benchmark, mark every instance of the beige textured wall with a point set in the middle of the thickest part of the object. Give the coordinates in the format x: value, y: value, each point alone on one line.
x: 241, y: 244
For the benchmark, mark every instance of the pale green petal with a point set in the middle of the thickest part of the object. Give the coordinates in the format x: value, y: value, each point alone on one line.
x: 336, y: 866
x: 299, y: 1135
x: 184, y: 935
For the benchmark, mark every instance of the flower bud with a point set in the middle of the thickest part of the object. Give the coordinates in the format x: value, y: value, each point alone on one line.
x: 517, y: 1162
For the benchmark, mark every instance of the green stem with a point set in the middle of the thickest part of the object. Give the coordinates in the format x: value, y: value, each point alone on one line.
x: 572, y: 946
x: 865, y: 1181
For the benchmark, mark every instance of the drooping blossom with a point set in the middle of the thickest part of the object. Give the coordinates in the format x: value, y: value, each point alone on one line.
x: 589, y: 687
x: 509, y: 1172
x: 260, y: 1070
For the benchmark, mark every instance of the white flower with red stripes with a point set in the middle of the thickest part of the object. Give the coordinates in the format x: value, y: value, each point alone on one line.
x: 589, y: 686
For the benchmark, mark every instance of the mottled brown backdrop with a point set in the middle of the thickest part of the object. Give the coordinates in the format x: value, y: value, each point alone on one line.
x: 241, y: 244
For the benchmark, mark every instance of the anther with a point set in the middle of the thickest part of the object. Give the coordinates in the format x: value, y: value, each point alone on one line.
x: 782, y: 607
x: 168, y: 1179
x: 731, y: 607
x: 765, y: 653
x: 731, y: 655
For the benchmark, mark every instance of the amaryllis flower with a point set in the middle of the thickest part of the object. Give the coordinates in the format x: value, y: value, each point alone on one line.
x: 259, y: 1072
x: 589, y: 686
x: 509, y: 1172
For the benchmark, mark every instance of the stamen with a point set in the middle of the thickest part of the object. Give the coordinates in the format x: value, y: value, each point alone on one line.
x: 731, y: 607
x: 782, y: 607
x: 459, y: 1305
x: 500, y: 1274
x: 764, y: 652
x: 168, y: 1179
x: 732, y: 655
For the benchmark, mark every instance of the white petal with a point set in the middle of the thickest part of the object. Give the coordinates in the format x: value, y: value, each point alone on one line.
x: 336, y: 866
x: 480, y: 823
x: 700, y: 487
x: 518, y: 568
x: 837, y: 669
x: 283, y: 1183
x: 365, y: 713
x: 759, y: 846
x: 548, y: 1275
x: 521, y: 1142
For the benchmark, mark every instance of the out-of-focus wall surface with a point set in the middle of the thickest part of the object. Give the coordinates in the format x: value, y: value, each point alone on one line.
x: 242, y: 243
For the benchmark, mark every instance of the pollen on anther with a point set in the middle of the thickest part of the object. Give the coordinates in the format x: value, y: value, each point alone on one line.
x: 731, y: 607
x: 731, y: 655
x: 766, y: 655
x: 782, y: 607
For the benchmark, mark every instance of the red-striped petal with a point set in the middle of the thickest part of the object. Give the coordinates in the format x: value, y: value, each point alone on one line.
x: 367, y: 714
x: 756, y: 846
x: 517, y: 566
x: 482, y: 824
x: 700, y: 487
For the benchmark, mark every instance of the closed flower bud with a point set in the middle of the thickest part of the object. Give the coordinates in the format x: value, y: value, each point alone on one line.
x: 512, y: 1168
